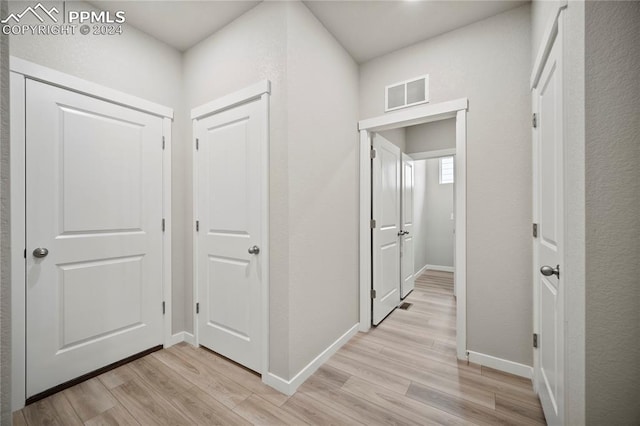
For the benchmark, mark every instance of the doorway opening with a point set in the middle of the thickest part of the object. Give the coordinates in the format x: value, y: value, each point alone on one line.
x: 374, y: 251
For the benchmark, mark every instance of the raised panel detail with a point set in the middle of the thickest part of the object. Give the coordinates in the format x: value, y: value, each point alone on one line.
x: 101, y: 162
x: 228, y: 288
x: 99, y: 298
x: 228, y: 177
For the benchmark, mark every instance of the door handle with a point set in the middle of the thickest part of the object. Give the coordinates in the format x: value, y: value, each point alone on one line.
x: 401, y: 233
x: 254, y: 250
x: 547, y: 271
x: 40, y: 252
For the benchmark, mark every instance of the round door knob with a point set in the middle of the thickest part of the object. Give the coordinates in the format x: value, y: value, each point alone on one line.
x: 547, y: 271
x: 254, y: 250
x: 40, y: 252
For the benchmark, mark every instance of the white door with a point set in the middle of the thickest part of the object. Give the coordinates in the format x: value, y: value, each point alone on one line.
x: 548, y: 193
x: 229, y: 236
x: 407, y: 259
x: 386, y: 170
x: 94, y: 236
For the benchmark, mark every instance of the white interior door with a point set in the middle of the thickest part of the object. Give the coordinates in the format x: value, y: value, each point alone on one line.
x: 229, y: 239
x: 386, y: 171
x: 548, y: 193
x: 94, y: 237
x: 407, y: 257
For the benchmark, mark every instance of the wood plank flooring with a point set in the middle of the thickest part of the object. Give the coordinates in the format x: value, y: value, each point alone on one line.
x: 404, y: 372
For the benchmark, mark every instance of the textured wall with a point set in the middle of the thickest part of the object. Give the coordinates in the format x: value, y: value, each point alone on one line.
x: 5, y: 233
x: 488, y: 62
x: 612, y: 66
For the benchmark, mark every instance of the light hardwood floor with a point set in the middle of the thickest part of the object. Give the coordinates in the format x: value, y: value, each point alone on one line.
x: 403, y: 372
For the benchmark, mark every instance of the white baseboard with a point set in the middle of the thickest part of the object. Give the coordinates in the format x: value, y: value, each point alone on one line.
x: 420, y: 271
x: 182, y: 336
x: 441, y: 268
x: 289, y: 387
x: 501, y: 364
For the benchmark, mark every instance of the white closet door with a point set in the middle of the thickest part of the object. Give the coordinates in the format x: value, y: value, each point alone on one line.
x: 94, y: 237
x: 386, y: 171
x: 229, y: 238
x: 407, y: 254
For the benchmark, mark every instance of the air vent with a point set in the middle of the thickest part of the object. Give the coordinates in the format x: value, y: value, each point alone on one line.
x: 407, y: 93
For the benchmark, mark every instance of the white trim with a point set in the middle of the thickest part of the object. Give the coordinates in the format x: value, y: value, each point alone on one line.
x: 404, y: 83
x: 166, y: 236
x: 233, y: 99
x: 510, y: 367
x: 428, y: 113
x: 440, y: 268
x: 180, y: 337
x: 413, y: 116
x: 549, y: 35
x: 20, y: 71
x: 460, y: 223
x: 18, y: 229
x: 365, y: 231
x: 66, y: 81
x: 427, y: 155
x: 289, y: 387
x: 259, y: 91
x: 420, y: 271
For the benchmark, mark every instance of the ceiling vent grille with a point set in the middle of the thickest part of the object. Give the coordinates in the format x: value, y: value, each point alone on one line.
x: 407, y: 93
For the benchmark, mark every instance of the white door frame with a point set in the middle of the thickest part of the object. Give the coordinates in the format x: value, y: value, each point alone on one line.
x: 259, y: 91
x: 424, y: 114
x: 20, y: 71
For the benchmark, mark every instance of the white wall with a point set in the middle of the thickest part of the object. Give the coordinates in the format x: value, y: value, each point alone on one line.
x: 612, y: 66
x: 314, y: 145
x: 323, y: 186
x: 488, y: 62
x: 134, y: 63
x: 431, y: 136
x: 396, y: 137
x: 432, y: 209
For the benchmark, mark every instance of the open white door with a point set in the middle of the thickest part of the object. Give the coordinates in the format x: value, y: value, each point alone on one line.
x: 548, y: 197
x: 406, y: 251
x: 94, y: 236
x: 230, y: 244
x: 386, y: 170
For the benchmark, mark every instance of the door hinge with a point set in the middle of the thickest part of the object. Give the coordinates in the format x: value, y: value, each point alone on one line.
x: 163, y: 142
x: 373, y: 293
x: 197, y: 144
x: 535, y: 340
x: 535, y: 230
x: 197, y: 308
x: 163, y: 308
x: 197, y: 225
x: 25, y: 253
x: 163, y: 224
x: 372, y: 223
x: 534, y: 120
x: 372, y: 153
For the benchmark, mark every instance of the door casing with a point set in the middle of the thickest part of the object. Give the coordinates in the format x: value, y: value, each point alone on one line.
x: 20, y: 71
x: 259, y: 91
x: 434, y: 112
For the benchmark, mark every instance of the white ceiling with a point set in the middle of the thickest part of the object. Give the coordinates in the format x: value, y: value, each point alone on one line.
x: 178, y: 23
x: 366, y: 28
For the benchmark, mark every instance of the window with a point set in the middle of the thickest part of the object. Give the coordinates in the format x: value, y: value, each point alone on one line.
x: 446, y: 170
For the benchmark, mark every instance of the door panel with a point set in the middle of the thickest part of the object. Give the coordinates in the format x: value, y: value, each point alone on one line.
x: 386, y: 170
x: 549, y: 248
x: 407, y: 256
x: 94, y: 201
x: 230, y: 210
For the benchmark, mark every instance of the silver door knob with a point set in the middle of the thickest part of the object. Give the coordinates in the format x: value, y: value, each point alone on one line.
x: 547, y: 271
x: 254, y: 250
x: 40, y: 252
